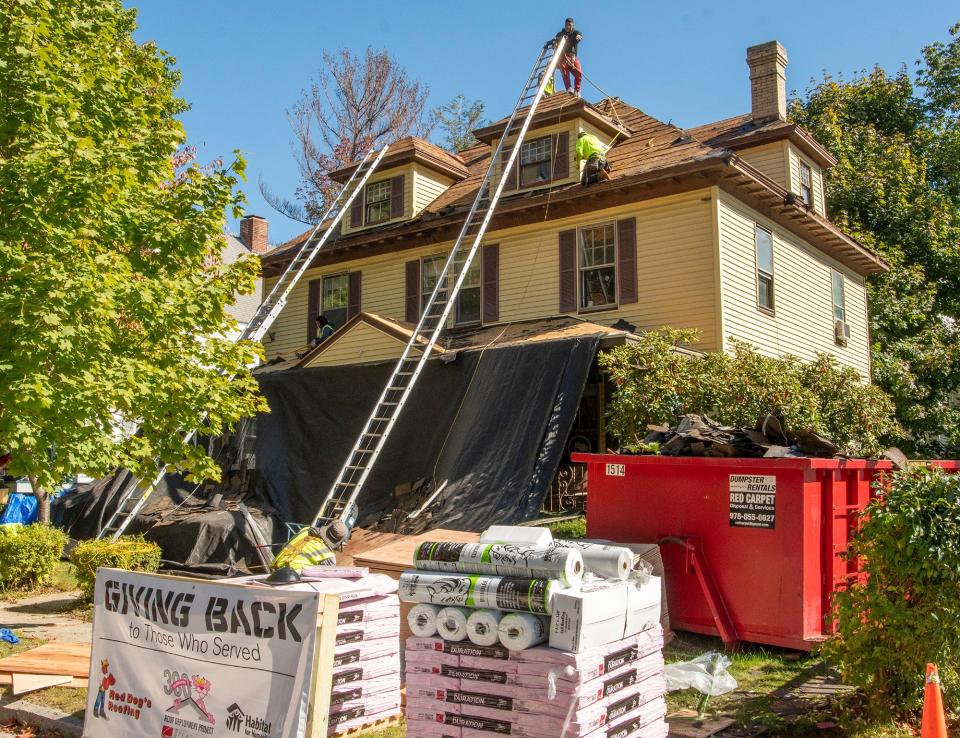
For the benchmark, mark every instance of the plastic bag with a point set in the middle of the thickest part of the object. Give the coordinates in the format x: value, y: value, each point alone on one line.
x: 707, y: 674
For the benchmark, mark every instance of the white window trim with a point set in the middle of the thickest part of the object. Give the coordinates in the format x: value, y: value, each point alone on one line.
x: 367, y: 203
x: 423, y: 297
x: 615, y: 305
x: 801, y: 165
x: 477, y: 259
x: 843, y: 294
x: 346, y: 307
x: 520, y: 165
x: 757, y: 270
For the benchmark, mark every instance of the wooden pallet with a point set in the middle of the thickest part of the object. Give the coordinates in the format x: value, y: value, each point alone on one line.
x: 376, y: 725
x: 50, y: 658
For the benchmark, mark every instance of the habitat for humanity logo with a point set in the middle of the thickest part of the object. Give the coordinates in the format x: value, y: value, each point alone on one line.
x: 234, y: 717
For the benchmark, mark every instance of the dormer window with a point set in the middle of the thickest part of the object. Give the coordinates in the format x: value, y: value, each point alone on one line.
x: 378, y: 202
x: 806, y: 184
x: 535, y: 161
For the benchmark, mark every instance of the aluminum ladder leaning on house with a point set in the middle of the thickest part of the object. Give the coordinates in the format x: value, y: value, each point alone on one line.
x: 340, y: 501
x: 133, y: 500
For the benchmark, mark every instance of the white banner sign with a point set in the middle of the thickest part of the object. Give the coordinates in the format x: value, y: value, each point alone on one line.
x: 185, y: 658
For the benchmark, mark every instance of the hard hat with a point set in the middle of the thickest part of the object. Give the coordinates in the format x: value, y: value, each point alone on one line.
x: 283, y: 575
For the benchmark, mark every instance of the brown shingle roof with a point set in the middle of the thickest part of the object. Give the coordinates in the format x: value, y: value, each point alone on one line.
x: 410, y: 149
x: 654, y: 153
x: 553, y: 109
x: 740, y: 132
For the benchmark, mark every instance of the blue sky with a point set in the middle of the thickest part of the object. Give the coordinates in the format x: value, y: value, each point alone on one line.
x: 244, y: 62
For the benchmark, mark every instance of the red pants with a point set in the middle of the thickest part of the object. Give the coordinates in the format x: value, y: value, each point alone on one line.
x: 570, y: 65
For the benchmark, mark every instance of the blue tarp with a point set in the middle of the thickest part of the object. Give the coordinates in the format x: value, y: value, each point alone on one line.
x: 20, y: 509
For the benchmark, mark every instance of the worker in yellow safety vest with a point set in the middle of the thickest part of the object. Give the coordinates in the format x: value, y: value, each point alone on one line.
x: 307, y: 548
x: 592, y: 151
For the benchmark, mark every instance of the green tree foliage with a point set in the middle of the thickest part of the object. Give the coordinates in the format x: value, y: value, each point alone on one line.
x: 897, y: 189
x: 656, y: 382
x: 458, y: 119
x: 906, y: 610
x: 112, y: 292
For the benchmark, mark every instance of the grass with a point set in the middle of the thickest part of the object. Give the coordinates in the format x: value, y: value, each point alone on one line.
x: 71, y: 700
x: 569, y: 528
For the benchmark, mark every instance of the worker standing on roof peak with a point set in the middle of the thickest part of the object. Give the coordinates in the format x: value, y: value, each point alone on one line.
x: 591, y: 150
x: 570, y: 64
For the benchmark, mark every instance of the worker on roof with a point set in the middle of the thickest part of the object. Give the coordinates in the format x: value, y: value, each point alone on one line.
x: 325, y: 329
x: 592, y: 151
x: 550, y: 88
x: 570, y: 63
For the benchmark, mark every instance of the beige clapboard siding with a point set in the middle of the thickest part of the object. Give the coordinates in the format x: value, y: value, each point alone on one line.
x: 675, y: 281
x: 362, y: 345
x: 427, y: 187
x: 378, y: 176
x: 802, y: 323
x: 816, y: 179
x: 771, y: 159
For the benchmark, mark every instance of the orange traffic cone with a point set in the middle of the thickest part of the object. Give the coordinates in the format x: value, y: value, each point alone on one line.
x: 934, y: 723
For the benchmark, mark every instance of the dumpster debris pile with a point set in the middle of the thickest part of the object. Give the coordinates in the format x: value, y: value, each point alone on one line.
x: 700, y: 436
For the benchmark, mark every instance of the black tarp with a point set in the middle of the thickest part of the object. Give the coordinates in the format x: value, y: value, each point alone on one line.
x: 492, y: 423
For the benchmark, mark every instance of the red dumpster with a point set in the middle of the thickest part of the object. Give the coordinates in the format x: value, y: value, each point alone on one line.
x: 752, y: 548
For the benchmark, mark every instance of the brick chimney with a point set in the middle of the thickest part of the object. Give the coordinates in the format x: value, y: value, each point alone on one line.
x: 253, y: 233
x: 768, y: 81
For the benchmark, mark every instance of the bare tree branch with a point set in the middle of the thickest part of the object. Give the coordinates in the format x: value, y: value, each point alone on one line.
x: 285, y: 206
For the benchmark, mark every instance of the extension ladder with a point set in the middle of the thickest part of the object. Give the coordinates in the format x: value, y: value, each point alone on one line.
x: 133, y: 500
x: 340, y: 502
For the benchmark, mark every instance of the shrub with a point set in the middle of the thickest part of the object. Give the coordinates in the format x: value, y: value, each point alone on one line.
x: 655, y: 384
x: 569, y: 528
x: 906, y: 611
x: 132, y: 553
x: 29, y: 554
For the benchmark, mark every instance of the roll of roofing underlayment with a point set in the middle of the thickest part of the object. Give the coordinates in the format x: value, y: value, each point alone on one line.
x: 519, y: 631
x: 452, y: 623
x: 482, y: 627
x: 502, y: 559
x: 422, y: 620
x: 612, y: 562
x: 499, y: 593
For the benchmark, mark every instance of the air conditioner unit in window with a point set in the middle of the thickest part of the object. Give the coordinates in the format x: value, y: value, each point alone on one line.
x: 841, y: 332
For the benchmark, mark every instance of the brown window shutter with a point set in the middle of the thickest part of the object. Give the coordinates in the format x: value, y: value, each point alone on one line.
x: 353, y: 294
x: 512, y: 174
x: 412, y: 293
x: 396, y: 197
x: 313, y: 308
x: 561, y: 155
x: 568, y: 271
x: 356, y: 210
x: 490, y: 311
x: 627, y: 260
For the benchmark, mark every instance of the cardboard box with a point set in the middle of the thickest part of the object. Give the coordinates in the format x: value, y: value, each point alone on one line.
x: 602, y: 612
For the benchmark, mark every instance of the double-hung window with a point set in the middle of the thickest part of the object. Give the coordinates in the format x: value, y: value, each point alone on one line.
x: 430, y: 269
x: 378, y: 202
x: 806, y: 184
x: 334, y: 299
x: 764, y: 245
x: 598, y: 267
x: 839, y: 297
x: 468, y: 299
x: 535, y: 161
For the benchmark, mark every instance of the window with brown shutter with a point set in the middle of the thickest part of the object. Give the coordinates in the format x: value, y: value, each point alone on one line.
x: 396, y: 197
x: 412, y: 291
x: 561, y: 155
x: 568, y: 271
x: 353, y: 295
x: 627, y: 260
x: 313, y: 308
x: 491, y: 283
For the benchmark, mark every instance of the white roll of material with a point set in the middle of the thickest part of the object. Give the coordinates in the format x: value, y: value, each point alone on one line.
x: 611, y: 562
x: 519, y: 631
x: 452, y: 623
x: 422, y: 620
x: 482, y: 627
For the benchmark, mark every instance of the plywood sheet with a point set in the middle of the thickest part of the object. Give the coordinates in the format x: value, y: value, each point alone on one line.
x: 396, y: 555
x: 50, y: 658
x: 6, y: 680
x: 29, y: 682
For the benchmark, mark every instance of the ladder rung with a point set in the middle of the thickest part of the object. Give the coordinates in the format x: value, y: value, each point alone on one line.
x: 380, y: 420
x: 371, y: 435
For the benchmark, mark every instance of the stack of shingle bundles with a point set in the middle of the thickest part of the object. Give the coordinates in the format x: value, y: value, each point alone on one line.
x: 540, y: 692
x: 366, y: 660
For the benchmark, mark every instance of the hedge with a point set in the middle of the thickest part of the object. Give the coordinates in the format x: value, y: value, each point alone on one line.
x: 132, y: 553
x: 28, y: 555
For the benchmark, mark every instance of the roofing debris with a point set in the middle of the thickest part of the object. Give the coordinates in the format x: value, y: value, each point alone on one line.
x: 700, y: 436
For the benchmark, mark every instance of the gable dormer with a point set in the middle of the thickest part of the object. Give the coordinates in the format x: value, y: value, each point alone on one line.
x: 548, y: 154
x: 413, y: 174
